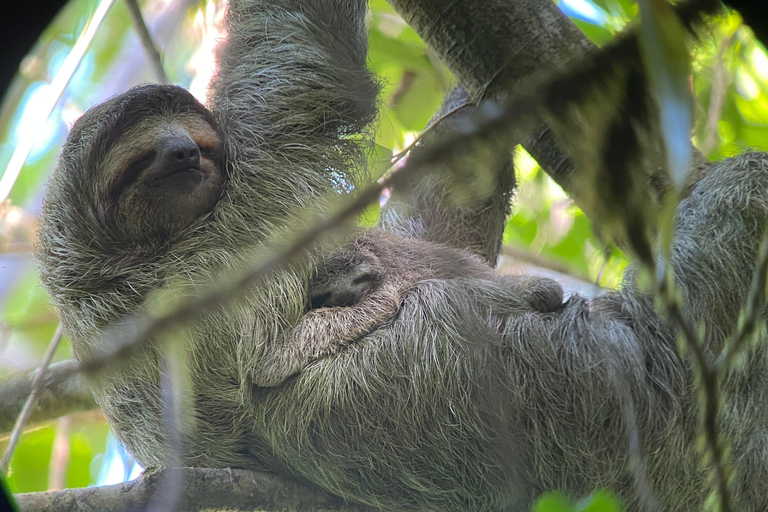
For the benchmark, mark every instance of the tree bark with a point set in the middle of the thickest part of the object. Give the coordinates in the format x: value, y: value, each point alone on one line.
x: 493, y: 46
x: 190, y: 490
x: 63, y: 393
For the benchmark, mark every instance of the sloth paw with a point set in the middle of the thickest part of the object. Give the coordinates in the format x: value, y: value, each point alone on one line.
x: 544, y: 295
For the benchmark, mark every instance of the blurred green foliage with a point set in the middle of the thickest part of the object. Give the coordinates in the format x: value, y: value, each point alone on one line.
x: 731, y: 88
x: 600, y: 501
x: 82, y: 442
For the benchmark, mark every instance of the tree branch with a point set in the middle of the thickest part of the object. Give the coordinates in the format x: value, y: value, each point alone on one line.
x: 29, y: 405
x: 202, y: 489
x: 63, y: 392
x: 544, y: 39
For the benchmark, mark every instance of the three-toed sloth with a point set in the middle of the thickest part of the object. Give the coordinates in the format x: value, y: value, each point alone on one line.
x: 475, y: 393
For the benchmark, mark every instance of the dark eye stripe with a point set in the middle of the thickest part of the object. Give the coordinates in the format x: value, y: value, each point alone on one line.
x: 365, y: 278
x: 213, y: 154
x: 131, y: 173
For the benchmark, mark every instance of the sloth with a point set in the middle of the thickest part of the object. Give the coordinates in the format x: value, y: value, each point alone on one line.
x: 475, y: 393
x: 359, y: 289
x: 157, y: 196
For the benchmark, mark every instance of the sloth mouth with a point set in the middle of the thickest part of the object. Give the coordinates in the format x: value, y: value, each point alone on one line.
x: 184, y: 180
x: 172, y: 174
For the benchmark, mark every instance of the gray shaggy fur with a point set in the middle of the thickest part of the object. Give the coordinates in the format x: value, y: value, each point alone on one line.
x: 360, y: 288
x: 461, y: 400
x: 290, y: 100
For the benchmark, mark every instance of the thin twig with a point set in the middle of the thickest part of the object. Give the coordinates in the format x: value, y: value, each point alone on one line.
x: 709, y: 387
x: 60, y: 454
x: 172, y: 380
x: 150, y: 48
x: 29, y: 405
x: 648, y: 501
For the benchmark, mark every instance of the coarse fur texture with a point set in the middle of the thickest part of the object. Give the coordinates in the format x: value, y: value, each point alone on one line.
x: 463, y: 400
x: 360, y: 288
x: 291, y: 104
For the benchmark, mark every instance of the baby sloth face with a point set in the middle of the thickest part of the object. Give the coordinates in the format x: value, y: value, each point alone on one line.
x: 345, y: 278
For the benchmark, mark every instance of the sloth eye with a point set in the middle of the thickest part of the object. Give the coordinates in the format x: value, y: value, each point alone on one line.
x: 365, y: 278
x: 132, y: 172
x: 210, y: 153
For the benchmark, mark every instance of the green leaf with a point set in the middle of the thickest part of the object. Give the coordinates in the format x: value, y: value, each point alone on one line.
x: 418, y: 102
x: 28, y: 470
x: 520, y: 230
x: 553, y: 502
x: 380, y: 160
x: 600, y: 501
x: 597, y: 34
x: 386, y: 49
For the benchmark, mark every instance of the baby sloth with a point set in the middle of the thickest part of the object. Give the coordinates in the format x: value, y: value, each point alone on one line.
x: 360, y: 288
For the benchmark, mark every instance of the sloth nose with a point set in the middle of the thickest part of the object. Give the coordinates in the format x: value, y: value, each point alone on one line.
x: 177, y: 162
x: 179, y: 153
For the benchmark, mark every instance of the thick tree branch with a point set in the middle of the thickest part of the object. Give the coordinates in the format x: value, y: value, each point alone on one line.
x: 63, y: 392
x: 462, y: 32
x: 492, y: 61
x: 202, y: 489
